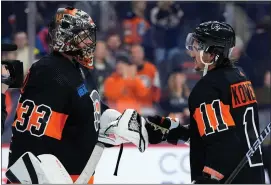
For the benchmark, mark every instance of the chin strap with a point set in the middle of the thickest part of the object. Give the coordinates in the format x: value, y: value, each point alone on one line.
x: 206, y: 65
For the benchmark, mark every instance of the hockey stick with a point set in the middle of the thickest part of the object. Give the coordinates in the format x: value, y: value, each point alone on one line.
x: 250, y: 153
x: 91, y: 164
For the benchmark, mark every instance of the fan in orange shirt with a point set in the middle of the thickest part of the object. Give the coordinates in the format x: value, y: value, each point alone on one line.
x: 123, y: 89
x: 135, y: 25
x: 149, y: 75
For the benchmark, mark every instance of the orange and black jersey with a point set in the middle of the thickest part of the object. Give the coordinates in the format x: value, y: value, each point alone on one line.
x: 224, y: 124
x: 58, y: 113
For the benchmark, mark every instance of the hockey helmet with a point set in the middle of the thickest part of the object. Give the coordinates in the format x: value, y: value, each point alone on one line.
x: 213, y: 37
x: 69, y: 28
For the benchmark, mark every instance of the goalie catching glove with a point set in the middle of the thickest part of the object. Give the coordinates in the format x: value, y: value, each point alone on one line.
x: 117, y: 128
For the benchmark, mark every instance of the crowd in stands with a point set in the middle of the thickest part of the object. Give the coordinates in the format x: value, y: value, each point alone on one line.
x: 140, y: 59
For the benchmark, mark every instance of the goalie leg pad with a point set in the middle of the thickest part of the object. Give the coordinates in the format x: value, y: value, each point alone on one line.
x: 44, y: 169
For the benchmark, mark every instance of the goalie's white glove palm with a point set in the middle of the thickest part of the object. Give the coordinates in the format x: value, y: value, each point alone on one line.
x: 129, y: 127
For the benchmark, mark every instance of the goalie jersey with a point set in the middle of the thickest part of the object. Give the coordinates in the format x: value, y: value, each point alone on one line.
x: 58, y: 113
x: 224, y: 125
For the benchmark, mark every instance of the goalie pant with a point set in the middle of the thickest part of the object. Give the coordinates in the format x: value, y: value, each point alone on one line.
x: 224, y: 124
x: 57, y: 114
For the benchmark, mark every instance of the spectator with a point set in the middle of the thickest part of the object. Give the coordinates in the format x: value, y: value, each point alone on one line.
x: 135, y: 25
x: 259, y: 49
x: 165, y: 18
x: 21, y: 40
x: 263, y: 93
x: 264, y: 100
x: 174, y: 101
x: 102, y: 67
x: 149, y: 76
x: 245, y: 62
x: 114, y: 47
x: 42, y: 37
x: 123, y: 88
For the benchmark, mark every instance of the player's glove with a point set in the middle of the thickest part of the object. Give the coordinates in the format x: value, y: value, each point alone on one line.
x: 106, y: 136
x: 128, y: 127
x: 158, y: 128
x: 178, y: 133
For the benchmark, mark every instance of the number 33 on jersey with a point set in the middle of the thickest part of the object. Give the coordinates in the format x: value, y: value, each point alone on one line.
x: 41, y: 120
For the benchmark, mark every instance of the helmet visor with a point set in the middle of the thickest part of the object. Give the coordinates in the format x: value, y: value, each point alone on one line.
x: 192, y: 43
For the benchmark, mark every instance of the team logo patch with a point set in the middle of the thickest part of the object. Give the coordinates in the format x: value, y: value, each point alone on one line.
x: 82, y: 90
x: 95, y: 97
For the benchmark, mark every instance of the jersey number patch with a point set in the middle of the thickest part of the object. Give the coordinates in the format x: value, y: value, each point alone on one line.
x: 215, y: 117
x: 251, y: 136
x: 43, y: 114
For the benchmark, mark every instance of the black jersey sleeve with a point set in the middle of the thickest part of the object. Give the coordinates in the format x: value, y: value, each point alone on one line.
x: 43, y: 106
x: 217, y: 129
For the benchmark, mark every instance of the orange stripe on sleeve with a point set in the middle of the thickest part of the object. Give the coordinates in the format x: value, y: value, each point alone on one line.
x: 198, y: 118
x: 226, y: 115
x: 56, y: 125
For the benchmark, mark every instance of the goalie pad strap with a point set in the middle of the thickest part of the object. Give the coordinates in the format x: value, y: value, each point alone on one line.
x: 31, y: 170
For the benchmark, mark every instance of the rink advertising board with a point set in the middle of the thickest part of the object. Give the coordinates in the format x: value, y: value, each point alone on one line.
x: 162, y: 164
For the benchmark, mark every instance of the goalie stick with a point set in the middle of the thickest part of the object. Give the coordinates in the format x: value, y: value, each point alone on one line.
x: 249, y: 153
x: 91, y: 164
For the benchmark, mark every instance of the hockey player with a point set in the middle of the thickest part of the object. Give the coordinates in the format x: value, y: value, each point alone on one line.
x: 224, y: 121
x: 60, y: 112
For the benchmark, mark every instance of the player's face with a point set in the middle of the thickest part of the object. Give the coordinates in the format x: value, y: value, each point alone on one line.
x: 85, y: 43
x: 195, y: 54
x: 84, y: 39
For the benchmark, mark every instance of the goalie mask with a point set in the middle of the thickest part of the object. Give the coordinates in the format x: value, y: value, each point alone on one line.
x: 73, y: 32
x: 213, y: 37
